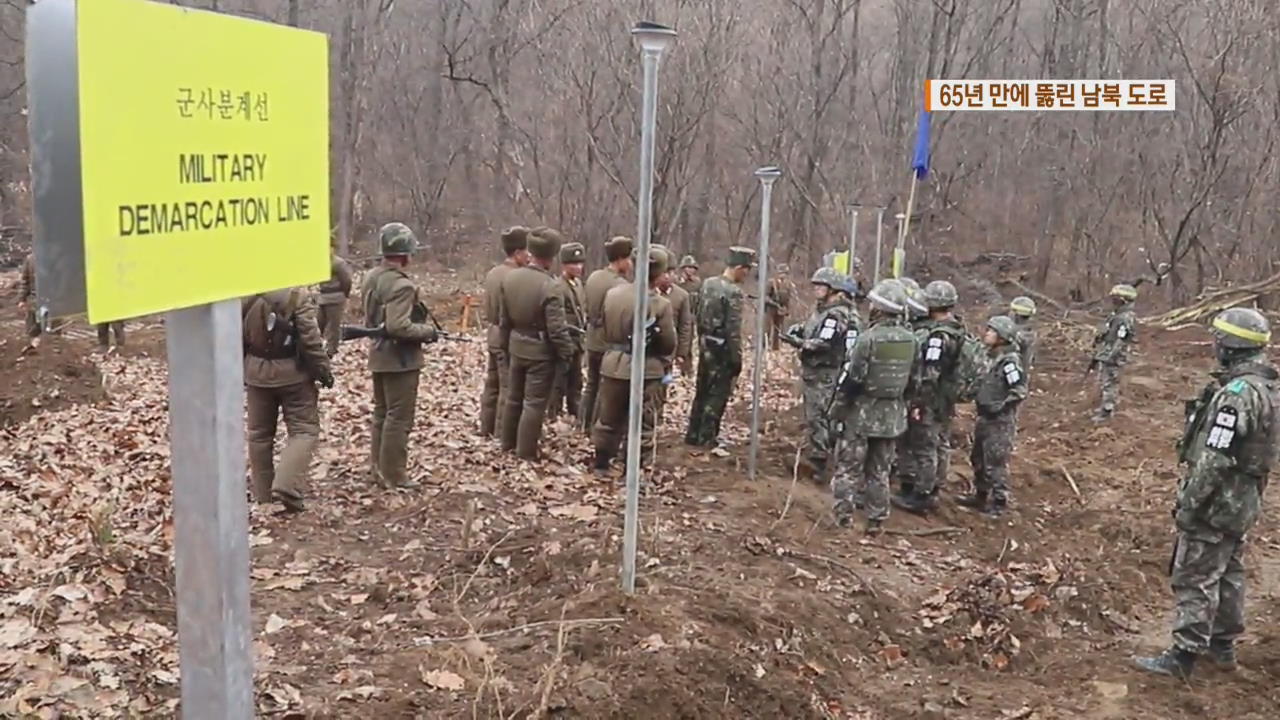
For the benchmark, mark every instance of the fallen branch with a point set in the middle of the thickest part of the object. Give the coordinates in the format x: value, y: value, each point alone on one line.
x: 795, y: 475
x: 834, y: 563
x: 927, y: 533
x: 1070, y: 480
x: 517, y: 628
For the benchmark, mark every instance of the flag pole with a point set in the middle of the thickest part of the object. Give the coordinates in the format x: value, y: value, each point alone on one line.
x: 899, y: 254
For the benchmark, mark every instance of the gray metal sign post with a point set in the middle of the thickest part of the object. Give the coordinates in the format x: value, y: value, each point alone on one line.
x: 653, y: 40
x: 853, y: 237
x: 767, y: 175
x: 879, y: 240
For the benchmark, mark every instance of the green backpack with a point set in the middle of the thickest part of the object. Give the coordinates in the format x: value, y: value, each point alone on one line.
x: 970, y: 363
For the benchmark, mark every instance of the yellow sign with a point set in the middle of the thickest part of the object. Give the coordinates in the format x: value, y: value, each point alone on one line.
x: 204, y: 146
x: 840, y: 262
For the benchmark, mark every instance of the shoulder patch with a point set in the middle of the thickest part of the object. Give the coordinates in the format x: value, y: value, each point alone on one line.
x: 1223, y: 431
x: 1236, y: 386
x: 1011, y: 373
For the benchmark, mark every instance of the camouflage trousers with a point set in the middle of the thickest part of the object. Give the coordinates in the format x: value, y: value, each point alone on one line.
x: 919, y: 452
x: 717, y: 372
x: 993, y: 438
x: 299, y: 403
x: 942, y: 469
x: 863, y: 467
x: 1208, y: 589
x: 819, y: 383
x: 1109, y: 381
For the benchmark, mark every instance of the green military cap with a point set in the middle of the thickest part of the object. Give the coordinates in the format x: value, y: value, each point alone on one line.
x: 618, y: 247
x: 573, y: 252
x: 688, y: 261
x: 658, y: 261
x: 671, y: 258
x: 514, y: 239
x: 740, y: 256
x: 544, y: 245
x: 397, y: 239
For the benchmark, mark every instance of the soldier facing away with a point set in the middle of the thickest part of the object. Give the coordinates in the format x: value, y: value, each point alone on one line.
x: 538, y: 341
x: 617, y: 251
x: 999, y: 392
x: 390, y: 300
x: 719, y: 321
x: 615, y: 370
x: 566, y: 393
x: 1111, y: 348
x: 1228, y: 447
x: 823, y: 340
x: 284, y: 358
x: 942, y: 340
x: 777, y: 305
x: 492, y: 400
x: 106, y: 330
x: 870, y: 408
x: 1023, y: 310
x: 333, y: 301
x: 683, y: 315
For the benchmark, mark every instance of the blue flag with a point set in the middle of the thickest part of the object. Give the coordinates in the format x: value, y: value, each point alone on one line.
x: 920, y: 161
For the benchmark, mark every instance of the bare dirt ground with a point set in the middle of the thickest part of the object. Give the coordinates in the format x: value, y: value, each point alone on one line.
x: 493, y: 592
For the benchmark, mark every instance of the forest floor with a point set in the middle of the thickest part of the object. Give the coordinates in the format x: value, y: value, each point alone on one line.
x: 493, y: 590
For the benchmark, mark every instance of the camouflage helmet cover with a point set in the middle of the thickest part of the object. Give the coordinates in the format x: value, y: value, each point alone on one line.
x: 915, y: 296
x: 826, y: 276
x: 1241, y: 328
x: 397, y: 239
x: 1023, y: 305
x: 1125, y: 292
x: 1006, y: 329
x: 888, y: 296
x: 940, y: 294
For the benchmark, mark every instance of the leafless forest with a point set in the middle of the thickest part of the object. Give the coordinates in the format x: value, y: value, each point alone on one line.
x: 460, y: 116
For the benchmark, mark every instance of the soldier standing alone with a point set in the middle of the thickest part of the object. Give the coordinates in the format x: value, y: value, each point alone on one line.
x: 390, y: 300
x: 870, y: 409
x: 615, y: 370
x: 333, y: 301
x: 284, y: 358
x: 617, y: 251
x: 567, y: 391
x: 538, y: 341
x: 1111, y: 348
x: 514, y: 246
x: 719, y: 319
x: 1000, y: 391
x: 1229, y: 446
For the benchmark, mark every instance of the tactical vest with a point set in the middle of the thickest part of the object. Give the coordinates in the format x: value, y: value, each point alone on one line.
x: 268, y: 327
x: 824, y: 326
x: 892, y: 356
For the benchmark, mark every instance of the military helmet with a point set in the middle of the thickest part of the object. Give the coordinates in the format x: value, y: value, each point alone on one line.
x: 848, y: 284
x: 1023, y: 305
x: 826, y: 276
x: 1005, y: 328
x: 397, y: 239
x: 1124, y: 291
x: 940, y: 294
x: 1241, y: 328
x: 888, y: 296
x: 915, y: 296
x: 688, y: 261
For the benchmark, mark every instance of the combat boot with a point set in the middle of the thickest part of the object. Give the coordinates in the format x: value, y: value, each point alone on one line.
x: 976, y: 501
x: 1223, y: 655
x: 1101, y: 416
x: 997, y: 507
x: 912, y: 502
x: 843, y: 511
x: 874, y: 527
x: 1174, y: 662
x: 602, y: 462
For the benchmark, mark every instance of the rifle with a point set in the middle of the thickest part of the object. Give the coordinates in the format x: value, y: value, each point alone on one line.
x: 420, y: 313
x: 1194, y: 411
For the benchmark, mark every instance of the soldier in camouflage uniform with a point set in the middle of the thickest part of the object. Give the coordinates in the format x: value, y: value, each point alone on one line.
x: 823, y: 340
x: 617, y: 251
x: 870, y: 408
x: 1022, y: 310
x: 284, y: 358
x: 492, y: 400
x: 689, y: 281
x: 1229, y: 447
x: 941, y: 337
x: 1111, y: 348
x: 389, y: 298
x: 538, y: 340
x: 566, y: 394
x: 719, y: 319
x: 999, y: 392
x: 333, y: 301
x: 27, y: 300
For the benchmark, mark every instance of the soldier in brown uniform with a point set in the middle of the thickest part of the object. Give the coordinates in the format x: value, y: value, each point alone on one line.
x: 515, y: 247
x: 618, y: 252
x: 27, y: 300
x: 537, y: 338
x: 389, y: 298
x: 690, y: 282
x: 284, y: 358
x: 682, y: 312
x: 777, y: 305
x: 567, y: 391
x: 333, y: 300
x: 615, y: 368
x: 106, y: 330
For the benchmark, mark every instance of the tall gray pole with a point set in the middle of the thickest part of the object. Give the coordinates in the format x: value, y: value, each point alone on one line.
x: 653, y: 39
x: 768, y: 175
x: 879, y: 240
x: 895, y: 267
x: 853, y: 237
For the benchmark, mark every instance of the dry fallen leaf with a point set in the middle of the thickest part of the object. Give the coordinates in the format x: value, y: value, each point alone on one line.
x: 892, y: 654
x: 577, y: 511
x: 443, y: 679
x: 275, y: 624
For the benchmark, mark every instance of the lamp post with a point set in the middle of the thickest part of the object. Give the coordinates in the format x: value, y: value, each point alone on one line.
x: 879, y: 240
x: 899, y: 260
x: 653, y: 39
x: 853, y: 236
x: 767, y: 176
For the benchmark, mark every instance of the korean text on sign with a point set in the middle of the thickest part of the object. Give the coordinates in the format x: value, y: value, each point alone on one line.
x: 1040, y: 95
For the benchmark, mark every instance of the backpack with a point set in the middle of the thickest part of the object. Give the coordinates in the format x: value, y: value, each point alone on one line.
x: 268, y: 325
x: 970, y: 363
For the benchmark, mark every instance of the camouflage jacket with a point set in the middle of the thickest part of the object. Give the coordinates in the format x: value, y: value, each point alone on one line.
x: 1111, y: 344
x: 1026, y: 342
x: 1003, y: 385
x: 828, y: 335
x: 941, y: 342
x: 719, y: 317
x: 868, y: 413
x: 1233, y: 449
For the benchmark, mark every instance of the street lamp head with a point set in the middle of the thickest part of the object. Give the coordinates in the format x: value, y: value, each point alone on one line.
x: 900, y: 216
x: 768, y: 174
x: 653, y: 37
